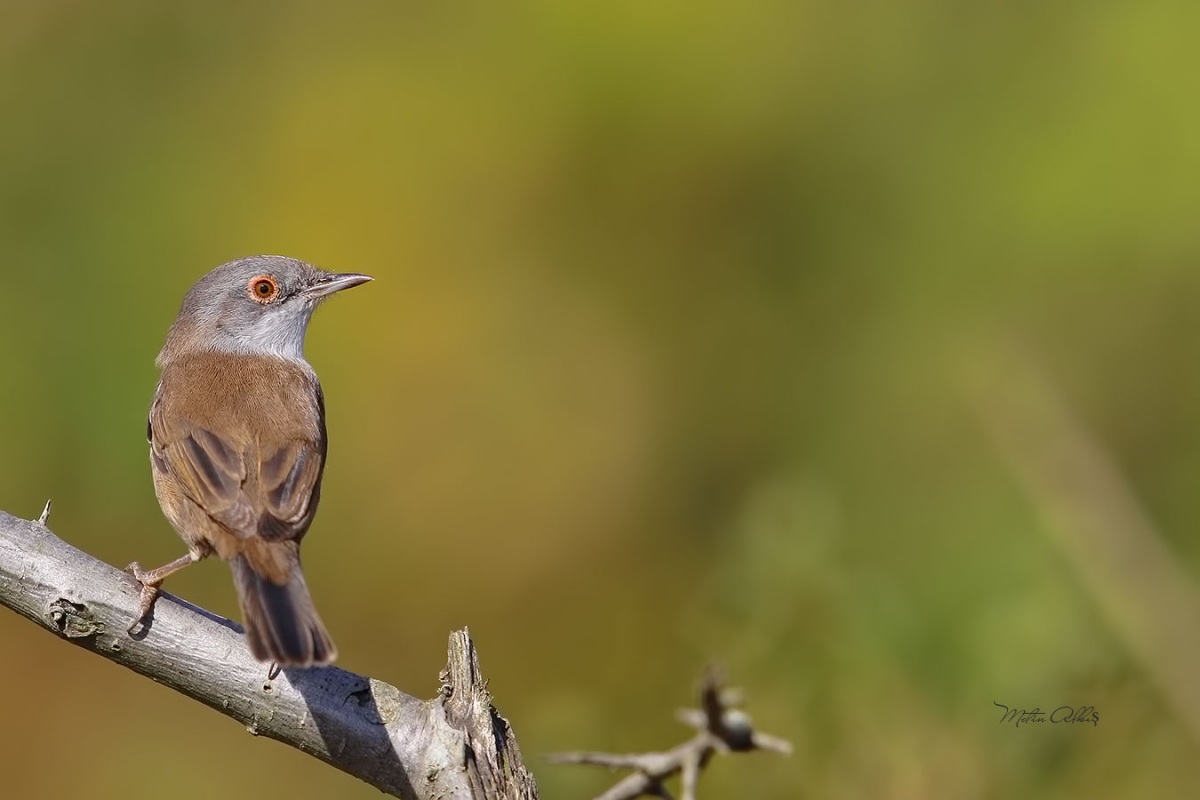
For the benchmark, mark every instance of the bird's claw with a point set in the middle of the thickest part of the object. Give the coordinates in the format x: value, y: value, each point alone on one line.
x: 146, y: 597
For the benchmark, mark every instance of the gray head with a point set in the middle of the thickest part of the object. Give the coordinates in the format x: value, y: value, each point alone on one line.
x: 254, y: 306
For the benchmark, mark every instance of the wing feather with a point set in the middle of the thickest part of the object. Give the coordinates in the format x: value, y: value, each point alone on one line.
x: 248, y: 489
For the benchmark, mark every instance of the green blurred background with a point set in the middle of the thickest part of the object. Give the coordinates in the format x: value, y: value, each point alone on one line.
x: 668, y: 359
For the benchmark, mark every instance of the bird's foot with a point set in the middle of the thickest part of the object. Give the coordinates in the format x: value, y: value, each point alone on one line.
x: 148, y: 594
x: 151, y: 580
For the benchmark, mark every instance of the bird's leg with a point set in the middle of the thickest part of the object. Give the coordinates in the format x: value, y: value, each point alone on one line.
x: 151, y: 580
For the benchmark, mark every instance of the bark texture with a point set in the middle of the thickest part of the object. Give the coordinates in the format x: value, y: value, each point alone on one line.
x: 452, y: 747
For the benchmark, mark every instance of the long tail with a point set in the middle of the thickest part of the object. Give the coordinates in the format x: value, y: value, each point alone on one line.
x: 281, y: 623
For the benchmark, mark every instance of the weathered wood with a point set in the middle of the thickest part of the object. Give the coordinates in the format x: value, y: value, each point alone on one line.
x: 454, y: 746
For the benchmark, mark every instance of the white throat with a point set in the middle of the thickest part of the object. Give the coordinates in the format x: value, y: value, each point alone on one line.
x: 279, y: 335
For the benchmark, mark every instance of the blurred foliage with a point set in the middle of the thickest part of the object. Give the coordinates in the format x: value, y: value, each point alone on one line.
x: 665, y: 363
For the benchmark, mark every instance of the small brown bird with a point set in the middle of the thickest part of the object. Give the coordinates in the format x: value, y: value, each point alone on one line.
x: 237, y: 444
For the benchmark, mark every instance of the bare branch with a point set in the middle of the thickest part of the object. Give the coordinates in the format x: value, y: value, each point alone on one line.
x: 453, y: 746
x: 722, y: 729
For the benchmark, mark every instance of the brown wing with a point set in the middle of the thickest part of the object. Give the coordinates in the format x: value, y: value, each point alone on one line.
x: 208, y: 469
x: 290, y: 479
x: 290, y: 485
x: 248, y: 491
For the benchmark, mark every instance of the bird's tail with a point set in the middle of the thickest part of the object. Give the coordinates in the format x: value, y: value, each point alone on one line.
x: 281, y: 622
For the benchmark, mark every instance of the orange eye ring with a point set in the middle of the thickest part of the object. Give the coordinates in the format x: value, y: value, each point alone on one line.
x: 263, y: 288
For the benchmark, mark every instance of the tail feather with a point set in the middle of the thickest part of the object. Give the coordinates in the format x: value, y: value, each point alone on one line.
x: 281, y: 622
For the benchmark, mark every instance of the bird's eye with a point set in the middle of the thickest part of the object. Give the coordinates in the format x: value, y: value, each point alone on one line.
x: 263, y: 288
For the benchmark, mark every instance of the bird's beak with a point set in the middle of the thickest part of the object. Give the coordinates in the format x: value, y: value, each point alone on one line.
x: 335, y: 283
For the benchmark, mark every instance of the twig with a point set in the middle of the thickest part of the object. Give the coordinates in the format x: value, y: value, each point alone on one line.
x: 453, y: 746
x: 722, y: 728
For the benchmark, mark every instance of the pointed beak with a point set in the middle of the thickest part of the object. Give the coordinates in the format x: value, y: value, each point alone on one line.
x: 329, y: 284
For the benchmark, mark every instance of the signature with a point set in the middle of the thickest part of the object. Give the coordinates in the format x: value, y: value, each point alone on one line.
x: 1067, y: 715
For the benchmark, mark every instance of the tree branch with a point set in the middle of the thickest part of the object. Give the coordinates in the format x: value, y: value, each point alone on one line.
x: 453, y: 746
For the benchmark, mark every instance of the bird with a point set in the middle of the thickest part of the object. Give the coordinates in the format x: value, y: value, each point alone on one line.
x: 238, y: 445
